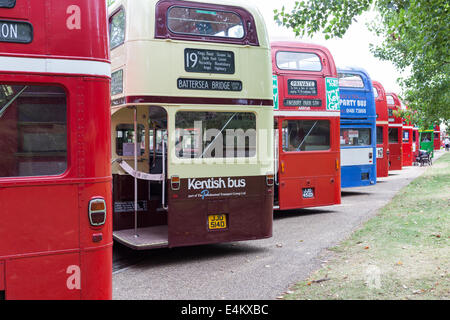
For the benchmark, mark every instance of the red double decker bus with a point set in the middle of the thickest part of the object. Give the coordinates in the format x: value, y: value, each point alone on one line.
x: 408, y: 142
x: 382, y: 130
x: 395, y: 133
x: 437, y: 137
x: 307, y: 114
x: 55, y: 176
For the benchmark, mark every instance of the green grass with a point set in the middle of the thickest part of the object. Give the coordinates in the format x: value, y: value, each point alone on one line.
x: 401, y: 253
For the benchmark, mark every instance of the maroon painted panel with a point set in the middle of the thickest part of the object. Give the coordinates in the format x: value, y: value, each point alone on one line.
x: 246, y: 201
x: 193, y: 100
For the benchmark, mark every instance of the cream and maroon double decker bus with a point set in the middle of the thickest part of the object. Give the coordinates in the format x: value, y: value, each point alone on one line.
x: 192, y: 117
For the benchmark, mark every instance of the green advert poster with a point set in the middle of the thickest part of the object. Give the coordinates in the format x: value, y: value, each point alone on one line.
x: 332, y: 89
x: 275, y: 92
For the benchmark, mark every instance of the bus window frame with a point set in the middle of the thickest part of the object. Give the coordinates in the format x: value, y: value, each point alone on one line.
x: 64, y: 174
x: 202, y: 35
x: 369, y: 145
x: 299, y: 70
x: 305, y: 151
x: 121, y: 8
x: 162, y: 30
x: 224, y: 158
x: 363, y: 80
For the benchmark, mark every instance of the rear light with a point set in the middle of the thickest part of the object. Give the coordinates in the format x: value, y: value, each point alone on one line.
x: 337, y: 164
x: 97, y: 212
x: 175, y: 183
x: 371, y: 155
x: 270, y: 178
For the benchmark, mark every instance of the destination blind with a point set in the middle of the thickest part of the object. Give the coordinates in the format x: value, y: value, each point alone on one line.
x: 15, y: 31
x: 208, y: 84
x: 209, y: 61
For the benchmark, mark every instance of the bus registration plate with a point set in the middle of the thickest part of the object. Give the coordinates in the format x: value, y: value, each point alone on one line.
x: 217, y: 221
x: 308, y: 193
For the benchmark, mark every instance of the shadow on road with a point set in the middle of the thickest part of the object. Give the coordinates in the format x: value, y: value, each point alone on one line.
x: 354, y: 193
x: 277, y: 215
x: 124, y: 257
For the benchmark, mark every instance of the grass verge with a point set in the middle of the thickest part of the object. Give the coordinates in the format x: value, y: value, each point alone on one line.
x: 401, y: 253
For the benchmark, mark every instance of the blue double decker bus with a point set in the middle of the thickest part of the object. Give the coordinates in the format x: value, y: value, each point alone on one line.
x: 358, y: 128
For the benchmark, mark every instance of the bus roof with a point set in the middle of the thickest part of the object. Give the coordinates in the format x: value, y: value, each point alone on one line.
x: 330, y: 69
x: 147, y: 7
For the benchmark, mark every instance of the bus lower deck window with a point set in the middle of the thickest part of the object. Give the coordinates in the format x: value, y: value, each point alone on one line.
x: 33, y: 130
x: 306, y: 135
x: 215, y: 134
x: 356, y: 137
x: 393, y: 135
x: 380, y: 135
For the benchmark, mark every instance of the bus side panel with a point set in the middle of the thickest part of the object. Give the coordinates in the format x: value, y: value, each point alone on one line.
x: 2, y: 276
x: 383, y: 163
x: 352, y: 176
x: 395, y: 156
x: 31, y: 225
x: 43, y: 277
x: 248, y: 216
x: 309, y: 170
x: 97, y: 285
x: 407, y: 155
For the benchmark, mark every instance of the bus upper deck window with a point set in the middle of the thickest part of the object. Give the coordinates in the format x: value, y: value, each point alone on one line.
x: 205, y: 22
x: 298, y: 61
x: 350, y: 80
x: 390, y: 100
x: 117, y: 29
x: 375, y: 93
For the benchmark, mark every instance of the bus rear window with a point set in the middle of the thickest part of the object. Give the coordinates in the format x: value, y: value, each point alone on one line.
x: 306, y: 135
x: 298, y: 61
x: 356, y: 137
x: 380, y: 135
x: 215, y: 135
x: 33, y: 130
x: 393, y: 135
x: 350, y: 80
x: 405, y: 136
x: 390, y: 100
x: 205, y: 22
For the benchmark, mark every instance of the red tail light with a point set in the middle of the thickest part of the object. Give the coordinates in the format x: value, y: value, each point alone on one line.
x: 97, y: 212
x: 175, y: 183
x: 270, y: 178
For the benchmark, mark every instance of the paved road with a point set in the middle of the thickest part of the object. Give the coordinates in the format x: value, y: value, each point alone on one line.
x: 253, y: 270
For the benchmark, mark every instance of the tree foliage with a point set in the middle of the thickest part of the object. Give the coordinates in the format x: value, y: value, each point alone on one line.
x: 415, y: 37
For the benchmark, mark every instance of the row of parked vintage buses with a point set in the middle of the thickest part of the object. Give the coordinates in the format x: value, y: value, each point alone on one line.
x: 199, y: 126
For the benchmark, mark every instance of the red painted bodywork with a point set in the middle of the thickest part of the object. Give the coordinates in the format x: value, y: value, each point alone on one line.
x: 437, y: 138
x: 416, y: 143
x: 382, y: 122
x: 44, y: 227
x: 307, y: 169
x: 395, y: 148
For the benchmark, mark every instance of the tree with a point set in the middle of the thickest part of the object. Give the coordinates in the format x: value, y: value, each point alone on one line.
x: 415, y: 37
